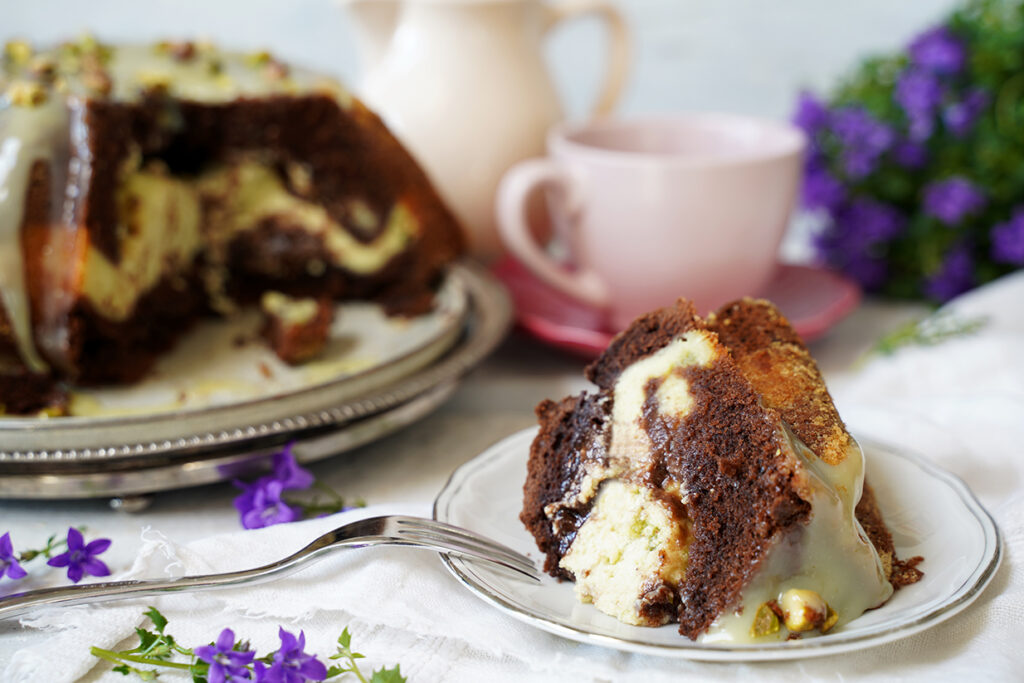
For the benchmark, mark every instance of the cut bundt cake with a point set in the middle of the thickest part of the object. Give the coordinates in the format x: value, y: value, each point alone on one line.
x: 708, y: 482
x: 146, y: 186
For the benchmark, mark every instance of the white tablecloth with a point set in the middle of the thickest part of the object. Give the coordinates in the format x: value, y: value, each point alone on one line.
x: 960, y: 402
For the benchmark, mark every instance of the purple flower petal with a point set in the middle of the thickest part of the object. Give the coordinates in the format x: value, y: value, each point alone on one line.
x: 955, y: 276
x: 225, y: 640
x: 910, y: 154
x: 1008, y: 240
x: 313, y: 670
x: 8, y: 561
x: 98, y: 546
x: 811, y: 113
x: 75, y: 540
x: 938, y: 50
x: 821, y: 189
x: 61, y: 560
x: 13, y: 570
x: 205, y: 652
x: 952, y: 199
x: 960, y: 117
x: 75, y: 572
x: 288, y: 471
x: 95, y: 567
x: 919, y: 93
x: 863, y: 139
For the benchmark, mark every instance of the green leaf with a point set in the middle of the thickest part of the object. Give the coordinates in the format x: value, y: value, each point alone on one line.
x: 345, y: 639
x: 124, y: 670
x: 388, y: 675
x: 147, y: 639
x: 158, y: 619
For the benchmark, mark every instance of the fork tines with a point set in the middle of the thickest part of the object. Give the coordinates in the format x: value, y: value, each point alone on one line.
x: 464, y: 541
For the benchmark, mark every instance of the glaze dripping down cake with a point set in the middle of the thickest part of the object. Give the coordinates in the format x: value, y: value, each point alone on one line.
x: 709, y: 481
x: 145, y: 186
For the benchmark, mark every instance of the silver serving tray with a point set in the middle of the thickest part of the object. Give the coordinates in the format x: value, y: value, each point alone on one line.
x: 86, y: 457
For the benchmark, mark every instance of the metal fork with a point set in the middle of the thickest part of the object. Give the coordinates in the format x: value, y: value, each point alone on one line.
x: 391, y: 530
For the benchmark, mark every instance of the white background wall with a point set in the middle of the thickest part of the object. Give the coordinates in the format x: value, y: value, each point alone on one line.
x: 739, y: 55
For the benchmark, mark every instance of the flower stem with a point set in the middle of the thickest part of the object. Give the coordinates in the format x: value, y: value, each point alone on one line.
x: 119, y: 658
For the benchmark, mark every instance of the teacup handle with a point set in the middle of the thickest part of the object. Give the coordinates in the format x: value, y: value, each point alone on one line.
x: 515, y: 190
x: 618, y: 45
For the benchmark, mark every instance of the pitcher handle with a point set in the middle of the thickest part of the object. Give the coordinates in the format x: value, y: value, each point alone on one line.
x: 619, y: 45
x: 514, y: 192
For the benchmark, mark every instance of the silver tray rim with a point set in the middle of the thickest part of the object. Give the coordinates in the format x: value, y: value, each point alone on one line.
x: 489, y: 318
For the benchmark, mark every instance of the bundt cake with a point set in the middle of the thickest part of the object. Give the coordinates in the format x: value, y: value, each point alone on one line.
x: 709, y: 481
x: 144, y: 186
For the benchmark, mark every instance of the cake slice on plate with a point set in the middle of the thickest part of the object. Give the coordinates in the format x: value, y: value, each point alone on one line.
x: 708, y: 483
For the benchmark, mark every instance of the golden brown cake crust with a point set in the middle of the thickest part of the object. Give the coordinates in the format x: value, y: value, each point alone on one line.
x: 774, y: 359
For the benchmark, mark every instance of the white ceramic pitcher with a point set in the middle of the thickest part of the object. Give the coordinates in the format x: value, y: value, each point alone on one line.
x: 463, y: 83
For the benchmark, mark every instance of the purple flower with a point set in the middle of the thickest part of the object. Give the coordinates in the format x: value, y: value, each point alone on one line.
x: 1007, y: 247
x: 910, y: 154
x: 291, y: 664
x: 938, y: 50
x: 821, y: 189
x: 960, y: 117
x: 952, y: 199
x: 866, y: 222
x: 226, y: 664
x: 289, y: 473
x: 260, y: 504
x: 955, y: 275
x: 919, y: 92
x: 80, y: 559
x: 863, y: 138
x: 868, y: 270
x: 811, y: 113
x: 8, y: 562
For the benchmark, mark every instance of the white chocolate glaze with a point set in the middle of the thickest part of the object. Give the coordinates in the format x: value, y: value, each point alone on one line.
x: 829, y: 555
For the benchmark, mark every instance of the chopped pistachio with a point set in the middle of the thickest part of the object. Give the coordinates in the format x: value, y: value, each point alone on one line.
x: 43, y: 67
x: 766, y: 622
x: 830, y: 620
x: 154, y: 82
x: 215, y: 67
x: 183, y: 51
x: 97, y: 81
x: 26, y: 93
x: 89, y: 45
x: 18, y: 51
x: 258, y: 58
x: 803, y: 610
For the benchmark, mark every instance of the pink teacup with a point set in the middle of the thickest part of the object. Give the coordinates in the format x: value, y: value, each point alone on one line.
x: 651, y: 209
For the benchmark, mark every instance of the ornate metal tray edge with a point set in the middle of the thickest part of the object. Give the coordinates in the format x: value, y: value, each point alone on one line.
x: 489, y: 320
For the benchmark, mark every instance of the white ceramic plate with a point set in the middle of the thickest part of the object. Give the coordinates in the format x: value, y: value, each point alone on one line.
x: 929, y: 511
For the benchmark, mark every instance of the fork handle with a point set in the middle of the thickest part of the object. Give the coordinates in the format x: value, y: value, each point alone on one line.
x: 18, y: 604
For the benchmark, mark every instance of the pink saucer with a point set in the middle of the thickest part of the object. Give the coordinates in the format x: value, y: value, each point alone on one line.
x: 814, y: 299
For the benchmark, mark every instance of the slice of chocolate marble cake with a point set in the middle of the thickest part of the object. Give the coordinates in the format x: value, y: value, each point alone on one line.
x: 677, y: 492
